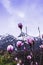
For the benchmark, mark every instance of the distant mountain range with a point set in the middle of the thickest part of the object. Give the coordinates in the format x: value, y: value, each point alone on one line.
x: 10, y: 39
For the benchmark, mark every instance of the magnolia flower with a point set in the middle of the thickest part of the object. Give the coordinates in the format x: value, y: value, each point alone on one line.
x: 20, y: 25
x: 36, y: 63
x: 18, y: 63
x: 19, y: 44
x: 30, y: 41
x: 29, y: 57
x: 41, y: 46
x: 16, y: 59
x: 25, y: 49
x: 10, y: 48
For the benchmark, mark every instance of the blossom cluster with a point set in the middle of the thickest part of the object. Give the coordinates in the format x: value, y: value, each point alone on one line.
x: 30, y: 55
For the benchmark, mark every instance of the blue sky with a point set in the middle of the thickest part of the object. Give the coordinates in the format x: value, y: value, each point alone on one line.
x: 28, y: 12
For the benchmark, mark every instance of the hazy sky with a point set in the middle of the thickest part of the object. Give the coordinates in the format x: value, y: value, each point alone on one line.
x: 28, y: 12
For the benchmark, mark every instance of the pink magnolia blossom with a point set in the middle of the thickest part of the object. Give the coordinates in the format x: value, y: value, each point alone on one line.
x: 30, y: 40
x: 19, y: 44
x: 18, y: 63
x: 29, y: 57
x: 20, y: 25
x: 16, y: 59
x: 36, y: 63
x: 9, y: 48
x: 25, y: 49
x: 41, y: 46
